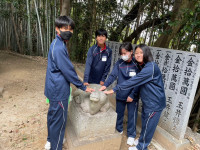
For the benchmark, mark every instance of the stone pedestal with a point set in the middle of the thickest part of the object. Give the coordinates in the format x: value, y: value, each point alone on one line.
x: 88, y: 126
x: 106, y: 142
x: 168, y: 142
x: 88, y: 132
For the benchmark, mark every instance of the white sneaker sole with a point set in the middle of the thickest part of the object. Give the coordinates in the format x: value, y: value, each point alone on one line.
x: 47, y: 146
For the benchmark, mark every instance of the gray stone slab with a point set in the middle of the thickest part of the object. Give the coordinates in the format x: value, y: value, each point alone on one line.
x: 105, y: 142
x: 89, y: 126
x: 169, y: 142
x: 181, y: 72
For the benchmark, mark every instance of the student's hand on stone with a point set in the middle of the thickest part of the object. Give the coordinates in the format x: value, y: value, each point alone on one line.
x: 129, y: 99
x: 90, y: 90
x: 86, y: 84
x: 102, y: 88
x: 109, y: 92
x: 101, y: 83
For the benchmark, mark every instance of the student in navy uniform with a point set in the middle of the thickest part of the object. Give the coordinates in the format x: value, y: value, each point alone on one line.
x: 124, y: 69
x: 151, y: 92
x: 60, y: 73
x: 98, y: 60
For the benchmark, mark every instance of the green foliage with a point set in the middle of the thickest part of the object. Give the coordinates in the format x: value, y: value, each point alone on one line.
x: 189, y: 32
x: 90, y: 15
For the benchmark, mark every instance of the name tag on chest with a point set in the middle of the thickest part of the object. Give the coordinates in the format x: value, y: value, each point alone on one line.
x: 104, y: 58
x: 132, y: 73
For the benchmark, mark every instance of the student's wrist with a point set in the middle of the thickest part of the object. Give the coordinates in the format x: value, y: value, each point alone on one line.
x: 105, y: 84
x: 115, y: 89
x: 131, y: 96
x: 84, y: 88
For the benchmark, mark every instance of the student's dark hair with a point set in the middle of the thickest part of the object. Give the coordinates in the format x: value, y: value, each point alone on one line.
x: 147, y: 55
x: 101, y: 32
x: 127, y: 46
x: 64, y: 21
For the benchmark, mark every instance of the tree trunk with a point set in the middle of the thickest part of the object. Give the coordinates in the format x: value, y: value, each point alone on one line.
x: 15, y: 29
x: 86, y: 33
x: 47, y: 27
x: 54, y: 18
x: 145, y: 38
x: 61, y: 4
x: 125, y: 21
x: 151, y: 33
x: 146, y: 25
x: 39, y: 25
x: 65, y: 8
x: 127, y: 31
x: 179, y: 6
x: 29, y: 29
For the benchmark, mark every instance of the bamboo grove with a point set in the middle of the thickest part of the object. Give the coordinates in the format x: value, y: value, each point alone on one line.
x: 27, y: 26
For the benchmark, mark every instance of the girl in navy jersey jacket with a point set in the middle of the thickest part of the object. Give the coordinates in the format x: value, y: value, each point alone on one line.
x: 124, y: 69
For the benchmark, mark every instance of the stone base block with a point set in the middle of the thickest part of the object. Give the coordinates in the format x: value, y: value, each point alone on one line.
x: 106, y: 142
x: 89, y: 126
x: 164, y: 139
x: 168, y: 142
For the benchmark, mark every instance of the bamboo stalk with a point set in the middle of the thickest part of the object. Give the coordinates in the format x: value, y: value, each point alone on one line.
x: 39, y: 25
x: 15, y: 29
x: 29, y: 29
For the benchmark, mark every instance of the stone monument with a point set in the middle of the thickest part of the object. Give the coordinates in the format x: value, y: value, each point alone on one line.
x: 180, y: 72
x: 91, y: 122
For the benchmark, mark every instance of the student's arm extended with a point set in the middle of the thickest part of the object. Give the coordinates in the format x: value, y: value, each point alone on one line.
x: 112, y: 77
x: 63, y: 62
x: 134, y: 95
x: 144, y: 76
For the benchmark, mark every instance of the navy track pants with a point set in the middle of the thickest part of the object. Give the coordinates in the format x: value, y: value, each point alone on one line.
x: 132, y: 108
x: 149, y: 123
x: 56, y: 123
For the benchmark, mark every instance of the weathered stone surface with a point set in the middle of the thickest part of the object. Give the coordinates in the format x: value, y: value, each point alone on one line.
x: 91, y: 122
x: 104, y: 142
x: 87, y: 126
x: 94, y: 102
x: 181, y: 71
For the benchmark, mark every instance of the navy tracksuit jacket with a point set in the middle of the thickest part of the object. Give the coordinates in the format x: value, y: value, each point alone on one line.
x: 97, y: 64
x: 60, y: 73
x: 153, y: 99
x: 123, y: 71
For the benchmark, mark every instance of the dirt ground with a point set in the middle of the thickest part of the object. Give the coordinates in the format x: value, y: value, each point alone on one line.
x: 23, y: 107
